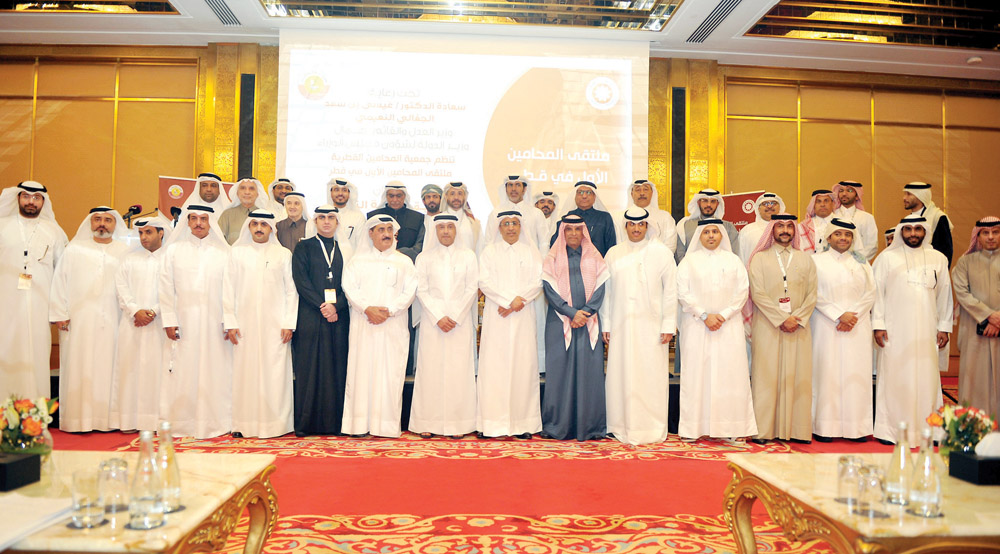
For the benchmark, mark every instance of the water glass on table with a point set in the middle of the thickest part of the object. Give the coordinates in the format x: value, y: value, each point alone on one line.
x: 88, y: 503
x: 115, y: 489
x: 849, y: 481
x: 871, y: 502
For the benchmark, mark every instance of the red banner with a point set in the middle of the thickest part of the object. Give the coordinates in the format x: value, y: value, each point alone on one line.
x: 175, y: 190
x: 739, y: 207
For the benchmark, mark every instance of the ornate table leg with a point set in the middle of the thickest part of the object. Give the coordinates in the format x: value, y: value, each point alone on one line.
x: 262, y: 504
x: 737, y: 505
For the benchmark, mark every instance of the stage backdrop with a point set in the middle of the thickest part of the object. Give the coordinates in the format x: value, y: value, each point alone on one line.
x: 422, y: 109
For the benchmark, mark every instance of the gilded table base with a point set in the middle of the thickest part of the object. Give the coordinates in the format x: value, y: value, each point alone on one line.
x: 801, y: 522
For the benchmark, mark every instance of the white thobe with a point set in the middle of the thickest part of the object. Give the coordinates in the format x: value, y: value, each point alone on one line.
x: 508, y: 387
x: 819, y: 225
x: 83, y: 291
x: 196, y: 395
x: 842, y: 361
x: 444, y: 389
x: 641, y: 304
x: 25, y: 338
x: 260, y: 299
x: 749, y: 237
x: 376, y: 359
x: 142, y: 351
x: 715, y: 392
x: 350, y: 226
x: 867, y: 229
x: 534, y: 225
x: 912, y: 304
x: 666, y: 229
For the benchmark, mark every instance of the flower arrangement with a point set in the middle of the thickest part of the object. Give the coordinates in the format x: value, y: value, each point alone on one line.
x: 24, y: 424
x: 964, y: 427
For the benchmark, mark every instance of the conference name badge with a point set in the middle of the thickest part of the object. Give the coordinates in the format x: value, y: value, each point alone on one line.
x: 330, y: 296
x: 785, y: 304
x: 24, y: 281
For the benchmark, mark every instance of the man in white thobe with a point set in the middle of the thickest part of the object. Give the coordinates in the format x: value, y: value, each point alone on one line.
x: 84, y: 307
x: 515, y: 195
x: 547, y: 202
x: 31, y: 245
x: 819, y: 212
x: 712, y: 286
x: 276, y: 193
x: 444, y: 389
x: 196, y: 389
x: 456, y: 203
x: 343, y: 195
x: 380, y: 283
x: 841, y: 337
x: 510, y: 276
x: 643, y: 195
x: 912, y: 319
x: 209, y: 192
x: 852, y: 208
x: 766, y: 205
x: 260, y: 307
x: 706, y: 204
x: 142, y: 347
x: 639, y: 316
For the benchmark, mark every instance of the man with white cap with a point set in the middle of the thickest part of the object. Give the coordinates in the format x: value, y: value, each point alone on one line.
x: 589, y: 207
x: 456, y: 203
x: 142, y: 347
x: 912, y: 318
x: 852, y: 208
x: 343, y: 195
x: 643, y: 195
x: 209, y: 192
x: 380, y: 283
x: 250, y: 196
x: 712, y: 286
x: 917, y: 198
x: 765, y: 206
x: 515, y: 195
x: 573, y: 278
x: 976, y: 279
x: 819, y: 212
x: 782, y: 298
x: 292, y: 229
x: 85, y: 309
x: 444, y: 389
x: 276, y: 193
x: 395, y: 203
x: 510, y: 276
x: 320, y: 343
x: 196, y: 394
x: 31, y: 245
x: 639, y: 318
x: 260, y: 307
x: 841, y: 337
x: 547, y: 201
x: 707, y: 204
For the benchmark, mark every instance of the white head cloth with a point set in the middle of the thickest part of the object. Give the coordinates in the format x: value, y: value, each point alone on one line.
x: 493, y: 227
x: 9, y: 205
x: 695, y: 211
x: 910, y: 220
x: 694, y: 245
x: 766, y: 197
x: 546, y: 193
x: 504, y: 203
x: 152, y: 221
x: 931, y: 212
x: 219, y: 204
x: 636, y: 214
x: 302, y: 198
x: 845, y: 224
x: 654, y: 201
x: 446, y: 209
x: 568, y: 204
x: 365, y: 245
x: 431, y: 242
x: 246, y: 235
x: 311, y: 224
x: 397, y: 185
x: 262, y: 202
x: 352, y: 200
x: 270, y: 191
x: 183, y: 232
x: 84, y: 234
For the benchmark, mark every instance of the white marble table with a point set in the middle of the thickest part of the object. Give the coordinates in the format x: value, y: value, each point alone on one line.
x: 798, y: 491
x: 216, y: 488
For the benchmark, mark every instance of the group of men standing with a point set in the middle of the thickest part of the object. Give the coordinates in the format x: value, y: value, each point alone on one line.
x: 251, y: 317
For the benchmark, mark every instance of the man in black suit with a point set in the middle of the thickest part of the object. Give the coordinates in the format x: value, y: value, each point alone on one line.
x: 395, y: 202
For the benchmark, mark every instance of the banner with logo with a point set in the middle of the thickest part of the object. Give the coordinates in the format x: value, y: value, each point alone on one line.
x: 174, y: 192
x: 739, y: 207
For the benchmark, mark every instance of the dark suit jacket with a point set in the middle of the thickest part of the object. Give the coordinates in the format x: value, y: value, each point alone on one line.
x: 410, y: 239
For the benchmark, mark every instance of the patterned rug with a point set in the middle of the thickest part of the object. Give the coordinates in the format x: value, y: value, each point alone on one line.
x: 501, y: 534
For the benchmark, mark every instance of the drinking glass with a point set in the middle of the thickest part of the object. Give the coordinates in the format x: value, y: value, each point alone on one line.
x: 88, y: 505
x: 849, y: 480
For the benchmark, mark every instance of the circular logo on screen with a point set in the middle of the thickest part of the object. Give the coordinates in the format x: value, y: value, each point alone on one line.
x: 313, y: 87
x: 748, y: 206
x: 603, y: 93
x: 175, y: 191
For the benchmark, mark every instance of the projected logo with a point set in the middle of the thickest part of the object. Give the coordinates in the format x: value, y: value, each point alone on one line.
x: 313, y: 87
x: 175, y: 191
x: 602, y: 93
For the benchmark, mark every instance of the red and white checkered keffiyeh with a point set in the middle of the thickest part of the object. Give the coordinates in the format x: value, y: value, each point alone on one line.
x: 808, y: 228
x: 988, y: 221
x: 859, y: 203
x: 767, y: 241
x: 593, y: 269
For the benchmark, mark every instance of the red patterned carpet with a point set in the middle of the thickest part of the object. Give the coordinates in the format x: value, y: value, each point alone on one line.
x: 414, y: 495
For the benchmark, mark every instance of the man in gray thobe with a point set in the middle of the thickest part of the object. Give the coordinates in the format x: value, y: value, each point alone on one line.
x: 573, y: 277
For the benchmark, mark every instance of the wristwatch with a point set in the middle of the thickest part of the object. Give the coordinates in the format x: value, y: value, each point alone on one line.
x: 704, y: 316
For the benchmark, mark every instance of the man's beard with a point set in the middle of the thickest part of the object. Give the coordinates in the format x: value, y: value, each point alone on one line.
x: 99, y: 234
x: 29, y: 211
x: 914, y: 242
x: 432, y: 207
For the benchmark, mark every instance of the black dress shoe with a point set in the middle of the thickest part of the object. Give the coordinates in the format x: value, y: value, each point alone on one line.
x: 480, y: 435
x: 758, y: 441
x: 800, y: 441
x: 300, y: 434
x: 859, y: 439
x: 237, y: 435
x: 885, y: 442
x: 821, y: 438
x: 525, y: 436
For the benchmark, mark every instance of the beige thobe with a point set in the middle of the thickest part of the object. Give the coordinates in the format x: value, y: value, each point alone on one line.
x: 976, y: 282
x: 781, y: 372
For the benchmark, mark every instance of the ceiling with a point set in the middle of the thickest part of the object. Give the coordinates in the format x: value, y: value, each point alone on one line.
x: 699, y: 29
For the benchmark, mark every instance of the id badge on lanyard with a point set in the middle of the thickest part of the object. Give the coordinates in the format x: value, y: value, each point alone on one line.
x: 785, y: 302
x: 329, y: 294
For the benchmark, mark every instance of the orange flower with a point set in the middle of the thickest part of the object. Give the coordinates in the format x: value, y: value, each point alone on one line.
x: 935, y: 420
x: 31, y: 427
x: 53, y: 406
x: 960, y: 411
x: 23, y: 405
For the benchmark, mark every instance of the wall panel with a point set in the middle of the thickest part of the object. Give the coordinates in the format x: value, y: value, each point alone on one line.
x: 761, y: 100
x: 836, y: 103
x: 903, y: 155
x: 833, y: 152
x: 761, y: 155
x: 76, y: 79
x: 15, y: 141
x: 908, y: 107
x: 142, y: 155
x: 17, y: 79
x: 973, y: 188
x: 973, y: 111
x: 158, y: 81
